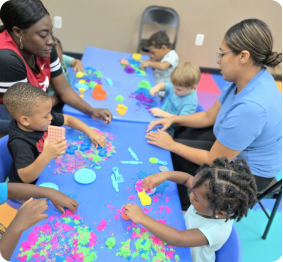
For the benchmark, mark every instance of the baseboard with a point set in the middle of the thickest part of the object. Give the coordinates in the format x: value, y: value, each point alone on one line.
x: 74, y: 55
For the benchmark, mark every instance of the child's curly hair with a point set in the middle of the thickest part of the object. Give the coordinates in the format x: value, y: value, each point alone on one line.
x: 232, y: 187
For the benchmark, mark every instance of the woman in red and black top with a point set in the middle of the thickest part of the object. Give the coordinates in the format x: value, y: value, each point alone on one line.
x: 27, y: 54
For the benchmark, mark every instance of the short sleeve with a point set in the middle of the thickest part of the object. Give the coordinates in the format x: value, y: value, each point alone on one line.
x: 172, y: 58
x: 12, y: 70
x: 188, y: 109
x: 3, y: 193
x: 242, y: 126
x: 55, y: 65
x: 67, y: 60
x: 168, y: 88
x: 57, y: 119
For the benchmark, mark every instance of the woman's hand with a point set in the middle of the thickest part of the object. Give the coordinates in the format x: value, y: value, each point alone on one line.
x: 165, y: 122
x: 97, y: 139
x: 134, y: 212
x: 157, y: 112
x: 153, y: 181
x: 160, y: 139
x: 102, y: 114
x: 61, y: 200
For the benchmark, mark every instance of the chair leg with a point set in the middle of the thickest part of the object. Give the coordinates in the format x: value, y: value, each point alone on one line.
x: 274, y: 210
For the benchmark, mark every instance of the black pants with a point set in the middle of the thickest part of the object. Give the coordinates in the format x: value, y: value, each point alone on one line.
x: 202, y: 138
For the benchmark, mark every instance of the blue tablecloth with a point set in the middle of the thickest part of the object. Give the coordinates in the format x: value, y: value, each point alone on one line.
x: 99, y: 200
x: 108, y: 63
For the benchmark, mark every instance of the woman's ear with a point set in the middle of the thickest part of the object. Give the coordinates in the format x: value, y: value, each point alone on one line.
x: 17, y: 32
x: 244, y: 56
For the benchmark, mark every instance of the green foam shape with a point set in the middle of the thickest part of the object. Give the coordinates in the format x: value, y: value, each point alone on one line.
x: 110, y: 242
x: 92, y: 84
x: 119, y: 98
x: 144, y: 84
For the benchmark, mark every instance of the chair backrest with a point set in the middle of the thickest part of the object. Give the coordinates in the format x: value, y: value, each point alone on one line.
x: 160, y: 15
x: 231, y: 250
x: 5, y: 159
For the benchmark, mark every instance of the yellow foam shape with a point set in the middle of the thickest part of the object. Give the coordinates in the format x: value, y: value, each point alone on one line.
x: 121, y: 111
x: 122, y: 107
x: 136, y: 56
x: 80, y: 74
x: 81, y: 81
x: 144, y: 198
x: 279, y: 85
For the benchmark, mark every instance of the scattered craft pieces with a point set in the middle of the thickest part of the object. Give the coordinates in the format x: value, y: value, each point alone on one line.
x: 119, y: 98
x: 109, y: 81
x: 144, y: 97
x: 136, y: 56
x: 80, y: 74
x: 114, y: 183
x: 131, y: 162
x: 154, y: 160
x: 144, y: 198
x: 102, y: 225
x: 133, y: 154
x: 121, y: 109
x: 138, y: 188
x: 85, y: 176
x: 63, y: 238
x: 163, y: 168
x: 110, y: 242
x: 128, y: 69
x: 119, y: 178
x: 123, y: 213
x: 124, y: 61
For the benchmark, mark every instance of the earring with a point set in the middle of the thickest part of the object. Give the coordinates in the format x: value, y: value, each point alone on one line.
x: 216, y: 216
x: 21, y: 46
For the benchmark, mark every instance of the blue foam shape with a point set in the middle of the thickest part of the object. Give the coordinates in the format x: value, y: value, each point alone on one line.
x: 109, y: 81
x: 90, y: 68
x: 103, y: 152
x: 146, y: 93
x: 71, y: 150
x: 85, y: 146
x: 134, y: 62
x: 84, y: 86
x: 85, y: 176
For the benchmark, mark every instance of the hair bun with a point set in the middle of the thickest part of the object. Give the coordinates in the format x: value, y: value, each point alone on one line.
x: 274, y: 59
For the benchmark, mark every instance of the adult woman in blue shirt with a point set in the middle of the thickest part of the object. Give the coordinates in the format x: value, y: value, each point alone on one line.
x: 245, y: 121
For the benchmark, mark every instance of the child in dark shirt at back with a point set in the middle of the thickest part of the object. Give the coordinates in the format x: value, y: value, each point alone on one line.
x: 28, y: 144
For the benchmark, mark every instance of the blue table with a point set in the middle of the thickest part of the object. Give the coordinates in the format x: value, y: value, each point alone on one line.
x: 94, y: 199
x: 108, y: 63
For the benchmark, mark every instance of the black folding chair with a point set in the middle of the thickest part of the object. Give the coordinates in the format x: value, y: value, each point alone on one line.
x: 274, y: 191
x: 158, y: 15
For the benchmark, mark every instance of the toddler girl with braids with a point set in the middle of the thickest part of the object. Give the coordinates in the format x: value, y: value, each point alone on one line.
x: 220, y: 193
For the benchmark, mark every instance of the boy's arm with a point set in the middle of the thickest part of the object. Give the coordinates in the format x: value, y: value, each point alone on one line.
x: 77, y: 65
x: 187, y: 238
x: 157, y: 65
x: 154, y: 91
x: 77, y: 124
x: 157, y: 112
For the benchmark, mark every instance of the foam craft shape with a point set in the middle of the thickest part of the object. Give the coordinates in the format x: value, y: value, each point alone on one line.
x: 119, y: 178
x: 55, y: 132
x: 124, y: 61
x: 207, y: 85
x: 121, y: 111
x: 119, y: 98
x: 85, y: 176
x: 82, y: 81
x: 98, y: 86
x: 81, y: 92
x: 123, y: 214
x: 154, y: 160
x: 84, y: 86
x: 122, y: 107
x: 144, y: 198
x: 80, y: 74
x: 99, y: 94
x: 133, y: 154
x: 163, y: 168
x: 144, y: 84
x: 109, y: 81
x: 136, y: 56
x: 131, y: 162
x: 114, y: 183
x: 128, y: 69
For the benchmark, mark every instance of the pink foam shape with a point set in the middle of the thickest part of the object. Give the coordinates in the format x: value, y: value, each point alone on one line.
x: 167, y: 199
x: 93, y: 238
x: 69, y: 259
x: 128, y: 228
x: 168, y: 210
x: 155, y: 199
x: 116, y: 217
x: 162, y: 221
x: 102, y: 225
x: 161, y: 208
x: 170, y: 253
x: 147, y: 210
x: 132, y: 197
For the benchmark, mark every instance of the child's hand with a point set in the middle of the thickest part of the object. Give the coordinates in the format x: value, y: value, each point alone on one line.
x: 55, y: 149
x: 154, y: 91
x: 134, y: 212
x: 97, y: 139
x: 61, y: 200
x: 153, y: 181
x: 30, y: 214
x: 78, y: 66
x: 144, y: 64
x: 157, y: 112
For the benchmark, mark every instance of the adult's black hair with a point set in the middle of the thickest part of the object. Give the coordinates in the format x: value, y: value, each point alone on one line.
x: 21, y: 13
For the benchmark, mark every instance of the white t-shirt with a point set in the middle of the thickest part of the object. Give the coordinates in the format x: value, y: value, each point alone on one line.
x: 217, y: 231
x: 163, y: 76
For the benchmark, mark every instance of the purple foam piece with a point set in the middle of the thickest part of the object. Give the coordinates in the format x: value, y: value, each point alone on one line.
x: 128, y: 69
x: 207, y: 99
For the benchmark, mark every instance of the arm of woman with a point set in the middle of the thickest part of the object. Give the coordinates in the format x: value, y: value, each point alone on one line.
x: 70, y: 97
x: 196, y: 120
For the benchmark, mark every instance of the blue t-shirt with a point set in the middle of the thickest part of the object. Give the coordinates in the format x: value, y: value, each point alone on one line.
x: 251, y: 121
x: 3, y: 193
x: 216, y: 231
x: 179, y: 105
